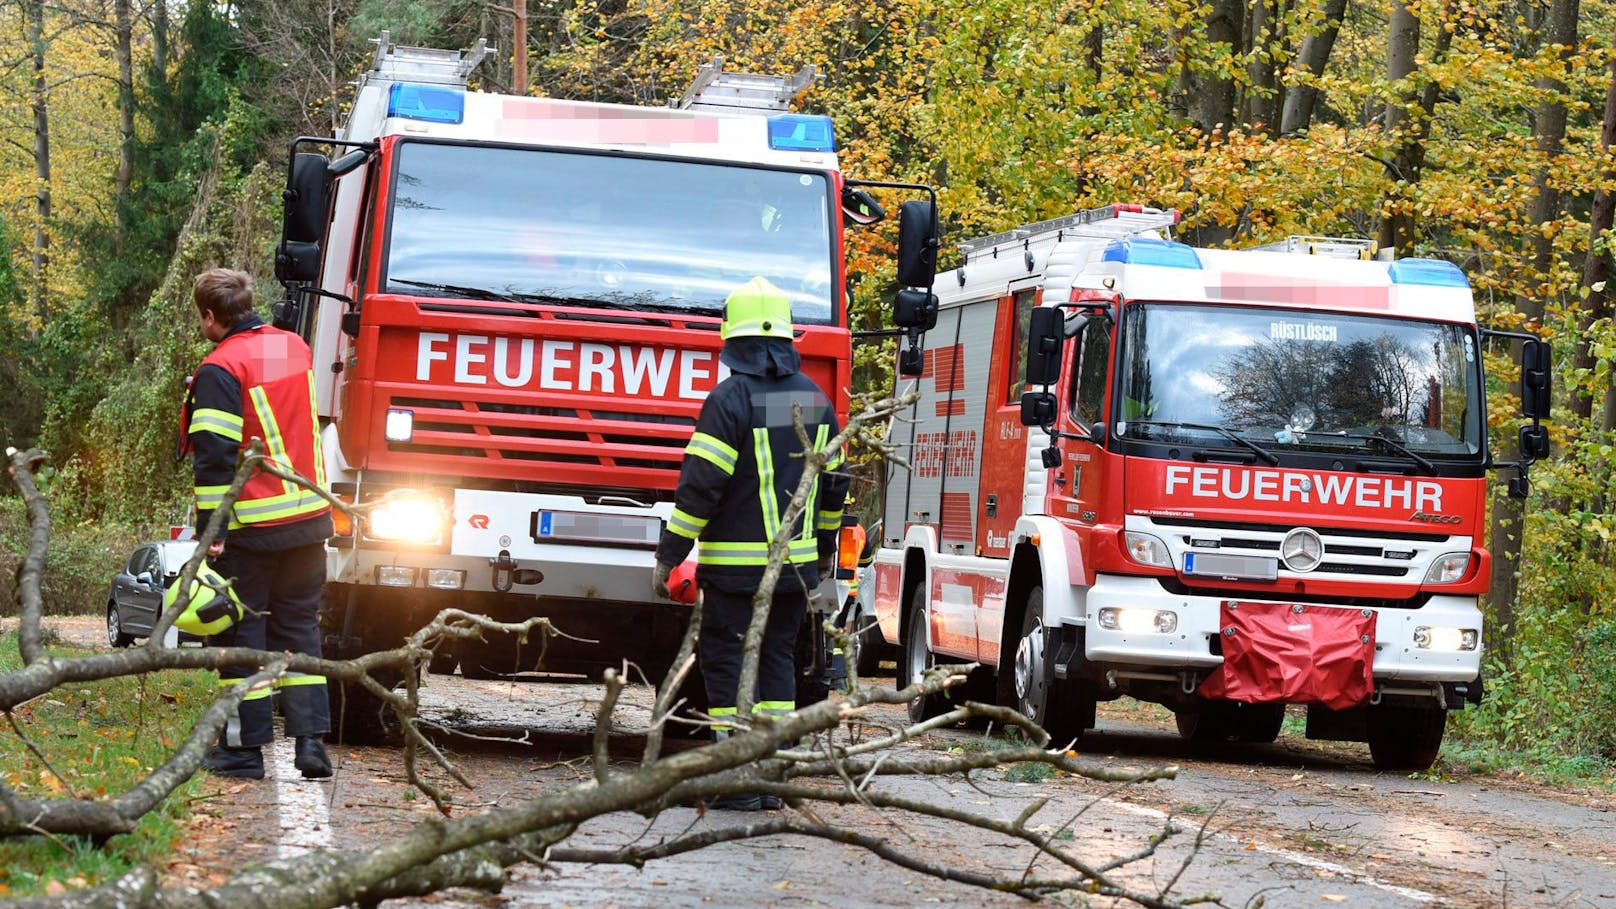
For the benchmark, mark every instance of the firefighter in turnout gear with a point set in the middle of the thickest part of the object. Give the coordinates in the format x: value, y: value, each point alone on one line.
x: 258, y: 383
x: 740, y: 470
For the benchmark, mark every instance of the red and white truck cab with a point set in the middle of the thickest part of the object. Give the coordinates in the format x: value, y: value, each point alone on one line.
x: 514, y: 306
x: 1250, y: 478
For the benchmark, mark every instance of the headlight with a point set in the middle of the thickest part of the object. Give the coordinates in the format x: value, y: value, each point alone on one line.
x: 400, y: 425
x: 1449, y: 640
x: 1138, y: 621
x: 1448, y: 568
x: 405, y: 518
x: 1146, y: 549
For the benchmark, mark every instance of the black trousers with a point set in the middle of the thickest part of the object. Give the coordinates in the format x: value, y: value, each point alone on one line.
x: 724, y: 619
x: 281, y: 591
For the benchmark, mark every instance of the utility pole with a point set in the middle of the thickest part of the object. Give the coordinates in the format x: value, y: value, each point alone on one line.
x: 518, y: 11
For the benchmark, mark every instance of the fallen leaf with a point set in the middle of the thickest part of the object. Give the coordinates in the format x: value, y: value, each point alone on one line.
x: 783, y: 885
x: 1333, y: 897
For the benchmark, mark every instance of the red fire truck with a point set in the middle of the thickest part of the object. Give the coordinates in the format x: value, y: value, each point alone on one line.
x: 514, y: 305
x: 1222, y: 481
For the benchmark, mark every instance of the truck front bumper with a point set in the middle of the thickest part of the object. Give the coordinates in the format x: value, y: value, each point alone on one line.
x: 1398, y: 653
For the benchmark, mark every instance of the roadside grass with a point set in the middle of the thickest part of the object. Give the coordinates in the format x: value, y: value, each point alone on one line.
x: 1542, y: 765
x: 99, y: 738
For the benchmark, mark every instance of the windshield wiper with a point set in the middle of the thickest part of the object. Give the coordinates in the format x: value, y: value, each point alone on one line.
x: 475, y: 293
x: 1227, y: 433
x: 1387, y: 441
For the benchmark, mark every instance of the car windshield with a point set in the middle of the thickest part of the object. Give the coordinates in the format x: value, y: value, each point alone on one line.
x: 608, y: 230
x: 1293, y: 379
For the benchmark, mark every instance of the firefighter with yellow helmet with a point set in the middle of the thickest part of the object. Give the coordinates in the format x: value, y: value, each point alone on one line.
x: 740, y: 470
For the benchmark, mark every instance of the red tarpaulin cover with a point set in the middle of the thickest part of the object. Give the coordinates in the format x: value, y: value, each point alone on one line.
x: 1296, y: 654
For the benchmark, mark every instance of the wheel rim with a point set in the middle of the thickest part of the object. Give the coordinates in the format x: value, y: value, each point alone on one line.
x: 919, y: 656
x: 114, y: 626
x: 1030, y: 670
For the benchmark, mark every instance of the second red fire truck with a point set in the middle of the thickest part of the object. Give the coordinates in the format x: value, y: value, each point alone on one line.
x: 1237, y: 480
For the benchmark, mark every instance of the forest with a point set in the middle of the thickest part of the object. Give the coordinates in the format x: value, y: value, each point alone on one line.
x: 145, y: 140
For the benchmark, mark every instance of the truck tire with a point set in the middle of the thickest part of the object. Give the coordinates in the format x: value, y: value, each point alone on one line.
x: 1030, y: 685
x: 1230, y: 721
x: 916, y: 659
x: 1405, y: 738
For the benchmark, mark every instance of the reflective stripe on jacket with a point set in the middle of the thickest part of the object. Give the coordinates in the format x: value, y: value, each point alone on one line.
x: 741, y: 467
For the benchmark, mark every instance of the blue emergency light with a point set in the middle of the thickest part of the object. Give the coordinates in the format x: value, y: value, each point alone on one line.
x: 1438, y: 272
x: 1146, y: 251
x: 431, y: 103
x: 801, y: 132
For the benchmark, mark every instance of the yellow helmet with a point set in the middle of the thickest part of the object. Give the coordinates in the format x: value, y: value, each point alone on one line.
x: 757, y: 309
x: 212, y: 607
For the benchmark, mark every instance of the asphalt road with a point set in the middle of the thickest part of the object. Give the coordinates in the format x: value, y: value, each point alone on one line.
x: 1295, y: 823
x: 1290, y: 824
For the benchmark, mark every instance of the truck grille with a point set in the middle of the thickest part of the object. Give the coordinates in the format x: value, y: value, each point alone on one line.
x: 497, y: 434
x: 1347, y: 552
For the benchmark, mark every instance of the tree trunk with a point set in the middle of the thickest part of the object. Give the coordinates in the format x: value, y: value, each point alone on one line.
x: 159, y: 29
x: 1402, y: 45
x: 1315, y: 55
x: 1561, y: 32
x: 34, y: 11
x: 1263, y: 28
x: 1597, y: 270
x: 123, y: 25
x: 1509, y: 514
x: 1408, y: 122
x: 1212, y: 92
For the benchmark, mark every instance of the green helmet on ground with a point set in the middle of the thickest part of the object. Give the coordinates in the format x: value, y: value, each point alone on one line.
x: 212, y: 605
x: 757, y: 309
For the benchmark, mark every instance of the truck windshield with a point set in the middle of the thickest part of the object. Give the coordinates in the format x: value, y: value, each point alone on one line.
x: 1300, y: 380
x: 617, y: 231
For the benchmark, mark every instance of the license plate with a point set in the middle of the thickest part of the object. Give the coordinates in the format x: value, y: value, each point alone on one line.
x: 1218, y: 565
x: 586, y: 527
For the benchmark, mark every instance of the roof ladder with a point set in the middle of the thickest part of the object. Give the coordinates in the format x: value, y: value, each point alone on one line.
x: 423, y: 65
x: 1331, y: 247
x: 743, y: 93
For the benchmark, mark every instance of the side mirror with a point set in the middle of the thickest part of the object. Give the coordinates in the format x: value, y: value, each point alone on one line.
x: 917, y: 243
x: 1535, y: 372
x: 1534, y: 443
x: 860, y: 207
x: 1045, y: 331
x: 1037, y: 408
x: 911, y: 361
x: 297, y: 261
x: 307, y: 196
x: 145, y: 577
x: 915, y: 309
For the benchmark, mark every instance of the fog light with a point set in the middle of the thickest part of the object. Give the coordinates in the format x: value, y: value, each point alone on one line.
x: 445, y: 578
x: 395, y: 576
x: 1138, y: 621
x: 1146, y: 549
x: 400, y: 425
x: 1448, y: 568
x: 1446, y: 640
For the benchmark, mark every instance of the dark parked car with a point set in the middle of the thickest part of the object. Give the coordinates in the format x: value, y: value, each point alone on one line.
x: 137, y: 589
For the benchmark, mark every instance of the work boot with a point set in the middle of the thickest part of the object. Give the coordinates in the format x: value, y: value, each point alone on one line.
x: 243, y: 763
x: 736, y: 801
x: 311, y: 758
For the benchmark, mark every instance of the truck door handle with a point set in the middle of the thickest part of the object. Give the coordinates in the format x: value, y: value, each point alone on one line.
x: 993, y: 506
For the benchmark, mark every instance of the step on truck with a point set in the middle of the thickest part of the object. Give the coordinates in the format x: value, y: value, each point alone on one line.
x: 1223, y: 481
x: 514, y: 304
